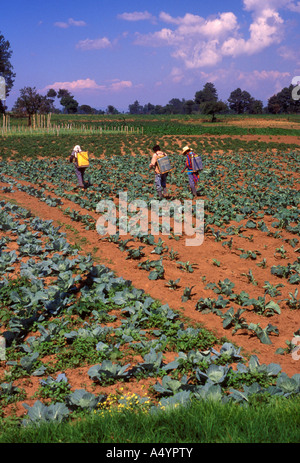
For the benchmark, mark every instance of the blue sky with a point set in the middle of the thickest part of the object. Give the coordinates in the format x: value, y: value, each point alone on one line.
x: 113, y: 52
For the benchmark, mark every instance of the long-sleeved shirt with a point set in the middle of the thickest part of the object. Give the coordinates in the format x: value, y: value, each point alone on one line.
x: 153, y: 163
x: 73, y: 156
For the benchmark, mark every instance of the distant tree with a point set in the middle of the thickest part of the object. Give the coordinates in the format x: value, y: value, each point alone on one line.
x: 256, y: 107
x: 189, y: 106
x: 175, y: 106
x: 207, y: 95
x: 51, y: 93
x: 207, y: 101
x: 86, y: 109
x: 111, y: 110
x: 6, y: 68
x: 274, y: 105
x: 149, y: 109
x: 283, y: 102
x: 135, y: 108
x: 67, y: 101
x: 239, y: 101
x: 214, y: 107
x: 28, y: 103
x: 159, y: 109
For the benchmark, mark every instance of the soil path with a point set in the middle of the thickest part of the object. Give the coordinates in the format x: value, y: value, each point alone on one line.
x: 231, y: 266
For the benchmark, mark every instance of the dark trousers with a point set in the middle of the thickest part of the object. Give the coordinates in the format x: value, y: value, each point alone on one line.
x: 80, y: 175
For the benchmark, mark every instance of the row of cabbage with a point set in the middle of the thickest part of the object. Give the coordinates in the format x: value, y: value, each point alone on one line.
x: 259, y: 197
x: 45, y: 282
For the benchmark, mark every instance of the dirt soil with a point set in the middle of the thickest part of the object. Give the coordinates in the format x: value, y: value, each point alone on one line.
x: 231, y: 266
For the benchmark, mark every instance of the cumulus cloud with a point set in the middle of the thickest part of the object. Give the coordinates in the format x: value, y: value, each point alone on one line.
x: 70, y: 22
x: 137, y: 16
x: 265, y: 82
x: 203, y: 42
x: 254, y: 78
x: 265, y: 30
x: 90, y: 84
x: 94, y: 44
x: 81, y: 84
x: 258, y: 5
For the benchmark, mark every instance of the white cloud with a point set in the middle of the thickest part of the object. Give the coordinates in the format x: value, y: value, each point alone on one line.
x: 295, y: 7
x: 90, y: 84
x: 289, y: 54
x: 120, y: 85
x: 200, y: 42
x: 269, y: 82
x: 254, y: 77
x: 137, y: 16
x: 81, y: 84
x: 265, y: 30
x: 259, y: 5
x: 70, y: 22
x: 94, y: 44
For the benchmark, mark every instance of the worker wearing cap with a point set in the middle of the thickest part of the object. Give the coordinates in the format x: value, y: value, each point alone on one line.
x: 193, y: 176
x: 78, y: 170
x: 160, y: 179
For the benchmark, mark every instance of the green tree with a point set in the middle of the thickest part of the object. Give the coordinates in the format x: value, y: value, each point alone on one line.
x: 31, y: 102
x: 175, y: 106
x: 149, y: 109
x: 208, y: 102
x: 135, y: 108
x: 86, y: 109
x: 256, y: 107
x: 283, y: 102
x: 189, y: 107
x: 6, y: 68
x: 240, y: 101
x: 28, y: 103
x: 273, y: 105
x: 207, y: 95
x: 67, y: 101
x: 214, y: 107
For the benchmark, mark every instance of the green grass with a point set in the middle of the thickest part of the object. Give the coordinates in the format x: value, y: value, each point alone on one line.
x: 171, y: 124
x: 277, y: 421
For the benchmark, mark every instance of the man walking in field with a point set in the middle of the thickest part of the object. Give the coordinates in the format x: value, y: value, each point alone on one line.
x: 193, y: 166
x: 160, y: 178
x: 79, y: 169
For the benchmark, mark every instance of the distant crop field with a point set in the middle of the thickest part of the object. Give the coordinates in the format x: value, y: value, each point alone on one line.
x: 144, y: 312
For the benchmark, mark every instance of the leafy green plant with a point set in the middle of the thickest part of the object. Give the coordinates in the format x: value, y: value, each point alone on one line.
x: 223, y: 287
x: 234, y: 319
x: 263, y: 333
x: 293, y: 302
x: 56, y: 389
x: 108, y: 372
x: 81, y: 399
x: 262, y: 307
x: 135, y: 253
x: 250, y: 277
x: 187, y: 293
x: 173, y: 284
x: 40, y: 413
x: 186, y: 266
x: 272, y: 290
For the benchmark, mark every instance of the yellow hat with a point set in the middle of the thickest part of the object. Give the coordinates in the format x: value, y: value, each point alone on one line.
x: 186, y: 148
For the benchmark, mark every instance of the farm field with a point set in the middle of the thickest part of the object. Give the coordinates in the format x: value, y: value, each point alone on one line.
x: 143, y: 313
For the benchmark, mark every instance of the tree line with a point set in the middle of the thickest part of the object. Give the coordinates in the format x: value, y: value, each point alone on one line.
x: 205, y: 101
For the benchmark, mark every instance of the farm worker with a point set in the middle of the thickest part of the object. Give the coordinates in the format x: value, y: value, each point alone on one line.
x: 78, y: 170
x: 160, y: 179
x: 193, y: 176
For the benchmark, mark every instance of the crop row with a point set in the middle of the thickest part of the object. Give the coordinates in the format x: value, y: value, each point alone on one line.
x: 57, y: 302
x: 251, y: 204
